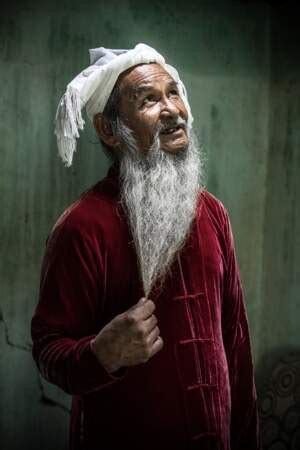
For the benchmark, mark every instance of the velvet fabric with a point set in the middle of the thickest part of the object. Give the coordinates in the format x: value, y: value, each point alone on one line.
x: 198, y: 392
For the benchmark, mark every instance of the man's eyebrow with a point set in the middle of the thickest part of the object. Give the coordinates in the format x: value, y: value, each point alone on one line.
x: 136, y: 91
x: 173, y: 84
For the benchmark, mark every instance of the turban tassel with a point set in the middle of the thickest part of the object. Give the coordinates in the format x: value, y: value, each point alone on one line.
x: 68, y: 122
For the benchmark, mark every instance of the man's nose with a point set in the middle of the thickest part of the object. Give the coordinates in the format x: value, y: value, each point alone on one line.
x: 168, y: 108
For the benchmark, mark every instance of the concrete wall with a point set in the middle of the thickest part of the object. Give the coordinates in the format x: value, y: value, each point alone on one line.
x: 279, y: 317
x: 246, y: 114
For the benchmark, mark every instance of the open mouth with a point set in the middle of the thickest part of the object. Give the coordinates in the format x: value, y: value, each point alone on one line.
x: 172, y: 130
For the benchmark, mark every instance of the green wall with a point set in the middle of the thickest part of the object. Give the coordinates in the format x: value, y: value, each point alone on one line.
x: 241, y: 72
x: 279, y: 316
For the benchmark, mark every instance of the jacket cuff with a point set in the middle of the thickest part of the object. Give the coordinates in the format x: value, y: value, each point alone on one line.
x: 96, y: 375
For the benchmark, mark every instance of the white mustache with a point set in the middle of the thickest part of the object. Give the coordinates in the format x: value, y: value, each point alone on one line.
x: 179, y: 121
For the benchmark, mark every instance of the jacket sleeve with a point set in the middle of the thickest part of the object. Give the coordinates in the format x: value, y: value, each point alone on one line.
x: 235, y: 329
x: 65, y: 319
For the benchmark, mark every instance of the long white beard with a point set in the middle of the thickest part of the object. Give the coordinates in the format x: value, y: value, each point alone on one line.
x: 159, y: 192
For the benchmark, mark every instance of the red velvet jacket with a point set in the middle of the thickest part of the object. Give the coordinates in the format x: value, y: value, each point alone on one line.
x: 198, y: 392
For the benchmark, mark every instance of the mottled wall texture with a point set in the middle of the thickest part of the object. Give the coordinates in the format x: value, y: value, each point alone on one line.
x: 240, y: 63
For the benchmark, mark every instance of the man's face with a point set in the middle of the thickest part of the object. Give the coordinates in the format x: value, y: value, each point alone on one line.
x: 150, y: 100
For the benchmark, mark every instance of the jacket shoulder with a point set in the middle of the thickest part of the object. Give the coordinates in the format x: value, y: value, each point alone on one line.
x: 91, y: 211
x: 213, y: 206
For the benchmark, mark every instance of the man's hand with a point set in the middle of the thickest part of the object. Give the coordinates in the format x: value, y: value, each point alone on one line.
x: 129, y: 339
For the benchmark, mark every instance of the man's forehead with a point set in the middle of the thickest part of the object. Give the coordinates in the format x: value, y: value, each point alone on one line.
x: 140, y: 77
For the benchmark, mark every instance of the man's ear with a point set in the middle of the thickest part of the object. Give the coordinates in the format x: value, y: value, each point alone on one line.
x: 104, y: 131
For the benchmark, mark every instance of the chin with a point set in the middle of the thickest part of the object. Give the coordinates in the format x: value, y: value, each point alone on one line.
x: 175, y: 149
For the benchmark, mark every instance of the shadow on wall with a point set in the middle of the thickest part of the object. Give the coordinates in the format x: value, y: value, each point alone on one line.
x: 278, y: 381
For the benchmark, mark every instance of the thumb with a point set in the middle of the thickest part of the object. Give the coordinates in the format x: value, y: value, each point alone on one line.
x: 139, y: 303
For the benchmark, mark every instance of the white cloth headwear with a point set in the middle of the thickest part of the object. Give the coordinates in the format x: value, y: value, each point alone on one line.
x: 93, y: 86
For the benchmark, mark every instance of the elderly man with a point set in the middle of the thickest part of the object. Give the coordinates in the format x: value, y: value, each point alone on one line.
x: 141, y: 314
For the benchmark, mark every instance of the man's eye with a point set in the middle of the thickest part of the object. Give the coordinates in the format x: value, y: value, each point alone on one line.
x: 148, y: 99
x: 174, y: 92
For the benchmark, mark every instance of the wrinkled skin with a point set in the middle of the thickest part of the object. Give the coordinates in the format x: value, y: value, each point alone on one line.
x: 131, y: 338
x: 149, y: 99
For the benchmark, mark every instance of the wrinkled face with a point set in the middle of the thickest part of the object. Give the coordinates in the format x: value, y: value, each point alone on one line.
x: 150, y: 99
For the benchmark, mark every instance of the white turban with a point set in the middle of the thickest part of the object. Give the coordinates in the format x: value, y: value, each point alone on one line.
x: 93, y: 86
